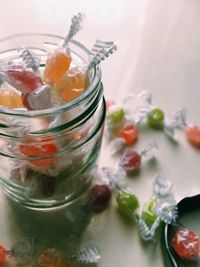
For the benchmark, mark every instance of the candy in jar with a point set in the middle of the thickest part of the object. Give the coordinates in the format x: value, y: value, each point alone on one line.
x: 9, y: 97
x: 58, y: 61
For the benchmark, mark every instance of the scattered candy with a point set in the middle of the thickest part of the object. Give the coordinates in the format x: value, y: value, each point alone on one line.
x: 162, y: 209
x: 193, y: 135
x: 148, y: 214
x: 186, y: 244
x: 52, y: 258
x: 155, y: 118
x: 127, y: 202
x: 99, y: 196
x: 192, y: 131
x: 131, y: 160
x: 89, y: 253
x: 129, y: 132
x: 115, y: 114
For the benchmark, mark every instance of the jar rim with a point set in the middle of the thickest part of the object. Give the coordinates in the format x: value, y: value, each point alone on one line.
x: 62, y: 107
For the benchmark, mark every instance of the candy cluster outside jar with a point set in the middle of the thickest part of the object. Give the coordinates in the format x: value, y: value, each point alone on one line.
x: 69, y: 135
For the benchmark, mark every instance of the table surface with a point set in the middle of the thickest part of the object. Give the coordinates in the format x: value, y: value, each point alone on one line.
x: 158, y: 50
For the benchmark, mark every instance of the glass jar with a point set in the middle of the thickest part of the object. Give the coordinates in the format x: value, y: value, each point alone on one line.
x: 69, y: 135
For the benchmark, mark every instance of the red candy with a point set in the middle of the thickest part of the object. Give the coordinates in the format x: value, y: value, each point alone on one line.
x: 186, y: 244
x: 3, y: 254
x: 40, y: 150
x: 24, y: 80
x: 100, y: 195
x: 129, y: 132
x: 130, y: 160
x: 193, y: 135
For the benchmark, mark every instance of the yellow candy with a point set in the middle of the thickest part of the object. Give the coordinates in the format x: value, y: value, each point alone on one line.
x: 10, y: 98
x: 71, y: 86
x: 56, y: 65
x: 52, y: 258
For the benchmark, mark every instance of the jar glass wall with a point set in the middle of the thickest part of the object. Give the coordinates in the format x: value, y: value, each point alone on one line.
x: 69, y: 135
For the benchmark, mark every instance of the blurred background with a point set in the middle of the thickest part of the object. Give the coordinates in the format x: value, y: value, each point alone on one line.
x: 158, y: 41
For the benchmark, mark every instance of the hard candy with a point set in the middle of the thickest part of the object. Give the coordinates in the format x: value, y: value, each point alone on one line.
x: 186, y: 244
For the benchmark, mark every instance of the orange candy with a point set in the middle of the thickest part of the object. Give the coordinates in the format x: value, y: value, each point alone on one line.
x: 186, y: 244
x: 40, y: 150
x: 3, y: 254
x: 52, y: 258
x: 71, y: 86
x: 56, y: 65
x: 193, y: 135
x: 129, y: 132
x: 10, y: 98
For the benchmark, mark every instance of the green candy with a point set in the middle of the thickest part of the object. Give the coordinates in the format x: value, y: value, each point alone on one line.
x: 127, y: 203
x: 115, y: 114
x: 156, y: 118
x: 148, y: 214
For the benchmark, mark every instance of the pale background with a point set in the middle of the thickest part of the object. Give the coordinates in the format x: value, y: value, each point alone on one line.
x: 158, y: 50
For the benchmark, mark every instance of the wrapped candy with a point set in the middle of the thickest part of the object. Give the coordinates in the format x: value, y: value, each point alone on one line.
x: 22, y: 251
x: 186, y: 244
x: 58, y: 61
x: 131, y: 160
x: 88, y: 253
x: 41, y: 98
x: 52, y: 257
x: 192, y: 131
x: 127, y: 201
x: 9, y: 97
x: 74, y: 82
x: 99, y: 196
x: 161, y: 208
x: 30, y: 59
x: 123, y: 119
x: 21, y: 79
x: 46, y: 147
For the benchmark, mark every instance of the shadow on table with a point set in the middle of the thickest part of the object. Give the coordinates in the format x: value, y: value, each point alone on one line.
x: 58, y: 227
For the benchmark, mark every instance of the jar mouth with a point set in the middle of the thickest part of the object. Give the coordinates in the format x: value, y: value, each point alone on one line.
x: 96, y: 77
